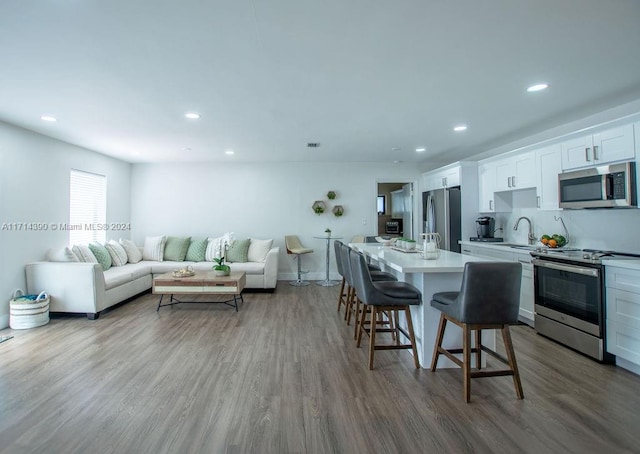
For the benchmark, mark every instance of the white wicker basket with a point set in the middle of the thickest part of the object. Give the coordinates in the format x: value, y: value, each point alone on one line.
x: 28, y: 312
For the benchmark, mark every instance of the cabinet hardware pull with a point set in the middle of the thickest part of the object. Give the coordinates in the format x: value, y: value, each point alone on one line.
x: 513, y: 181
x: 595, y: 152
x: 538, y: 201
x: 491, y: 204
x: 586, y: 154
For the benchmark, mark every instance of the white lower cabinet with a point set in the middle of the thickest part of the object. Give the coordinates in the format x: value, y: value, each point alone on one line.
x: 623, y: 314
x: 527, y: 294
x: 526, y: 285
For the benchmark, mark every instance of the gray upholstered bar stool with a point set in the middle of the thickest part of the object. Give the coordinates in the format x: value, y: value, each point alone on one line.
x: 343, y: 295
x: 384, y: 296
x: 345, y: 288
x: 353, y: 303
x: 295, y: 247
x: 362, y: 239
x: 488, y: 299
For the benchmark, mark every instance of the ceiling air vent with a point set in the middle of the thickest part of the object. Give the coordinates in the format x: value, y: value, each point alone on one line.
x: 313, y: 144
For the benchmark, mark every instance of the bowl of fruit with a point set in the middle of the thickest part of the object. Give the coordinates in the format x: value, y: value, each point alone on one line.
x: 553, y: 241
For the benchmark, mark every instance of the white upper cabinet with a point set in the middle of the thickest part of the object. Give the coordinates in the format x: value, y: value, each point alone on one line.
x: 516, y: 172
x: 445, y: 177
x: 487, y: 183
x: 549, y: 165
x: 616, y: 144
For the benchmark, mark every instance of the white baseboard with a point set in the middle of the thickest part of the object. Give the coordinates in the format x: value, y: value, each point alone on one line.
x: 628, y: 365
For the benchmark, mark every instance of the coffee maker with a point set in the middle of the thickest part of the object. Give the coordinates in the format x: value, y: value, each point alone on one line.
x: 485, y: 226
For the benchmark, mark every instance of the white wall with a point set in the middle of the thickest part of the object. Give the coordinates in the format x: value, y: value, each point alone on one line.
x: 606, y: 229
x: 261, y: 200
x: 34, y: 187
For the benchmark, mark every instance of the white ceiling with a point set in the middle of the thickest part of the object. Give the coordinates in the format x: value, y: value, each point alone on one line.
x: 361, y: 77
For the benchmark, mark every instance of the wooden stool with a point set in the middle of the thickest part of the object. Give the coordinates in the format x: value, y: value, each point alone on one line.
x: 383, y: 296
x: 488, y: 299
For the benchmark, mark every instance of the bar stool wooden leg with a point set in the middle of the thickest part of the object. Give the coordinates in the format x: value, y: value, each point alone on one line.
x: 438, y: 345
x: 511, y: 357
x: 361, y: 323
x: 350, y: 302
x: 466, y: 362
x: 356, y: 315
x: 341, y: 298
x: 479, y: 349
x: 372, y: 335
x: 412, y: 337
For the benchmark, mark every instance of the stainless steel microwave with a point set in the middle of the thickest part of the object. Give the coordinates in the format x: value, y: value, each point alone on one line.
x: 608, y: 186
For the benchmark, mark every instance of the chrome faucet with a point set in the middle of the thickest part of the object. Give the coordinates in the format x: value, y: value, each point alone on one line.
x: 530, y: 237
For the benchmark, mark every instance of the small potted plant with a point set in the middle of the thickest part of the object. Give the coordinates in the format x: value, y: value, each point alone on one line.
x: 327, y: 231
x: 221, y: 269
x: 331, y: 195
x: 338, y: 211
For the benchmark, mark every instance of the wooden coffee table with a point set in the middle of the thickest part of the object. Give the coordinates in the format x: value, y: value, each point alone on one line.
x: 202, y: 283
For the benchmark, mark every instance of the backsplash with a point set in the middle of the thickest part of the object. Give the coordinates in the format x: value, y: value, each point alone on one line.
x: 606, y: 229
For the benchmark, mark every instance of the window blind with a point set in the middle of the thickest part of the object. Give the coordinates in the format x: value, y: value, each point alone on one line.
x: 87, y: 207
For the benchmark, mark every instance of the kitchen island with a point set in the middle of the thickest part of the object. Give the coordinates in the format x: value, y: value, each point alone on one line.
x: 429, y: 276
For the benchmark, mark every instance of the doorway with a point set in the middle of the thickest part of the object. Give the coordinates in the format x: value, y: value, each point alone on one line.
x: 395, y: 209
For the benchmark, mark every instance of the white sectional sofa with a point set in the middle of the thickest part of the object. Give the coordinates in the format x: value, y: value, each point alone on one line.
x: 78, y: 287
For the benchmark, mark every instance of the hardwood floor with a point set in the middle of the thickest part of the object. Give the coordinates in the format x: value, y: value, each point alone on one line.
x: 284, y: 375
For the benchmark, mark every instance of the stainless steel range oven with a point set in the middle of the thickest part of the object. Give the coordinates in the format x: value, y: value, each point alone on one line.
x: 570, y: 298
x: 569, y: 304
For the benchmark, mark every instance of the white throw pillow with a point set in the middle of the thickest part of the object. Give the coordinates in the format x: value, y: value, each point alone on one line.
x: 117, y: 253
x: 258, y: 249
x: 154, y: 248
x: 61, y: 255
x: 133, y: 253
x: 84, y: 254
x: 215, y: 249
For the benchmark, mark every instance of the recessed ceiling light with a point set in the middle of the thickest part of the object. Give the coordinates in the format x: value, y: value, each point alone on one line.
x: 460, y: 128
x: 186, y: 149
x: 229, y: 152
x: 48, y: 118
x: 421, y: 149
x: 537, y: 87
x: 192, y: 115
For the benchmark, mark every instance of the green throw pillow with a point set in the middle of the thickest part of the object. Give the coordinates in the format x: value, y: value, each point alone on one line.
x: 196, y: 251
x: 176, y: 248
x: 102, y: 255
x: 238, y: 252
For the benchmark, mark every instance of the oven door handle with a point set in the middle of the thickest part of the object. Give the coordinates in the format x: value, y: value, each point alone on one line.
x: 568, y: 268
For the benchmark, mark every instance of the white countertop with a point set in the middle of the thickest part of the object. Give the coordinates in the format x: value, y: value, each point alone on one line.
x: 508, y: 247
x: 630, y: 263
x: 447, y: 262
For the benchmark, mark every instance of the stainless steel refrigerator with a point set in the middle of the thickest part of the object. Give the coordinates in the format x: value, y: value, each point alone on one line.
x: 441, y: 212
